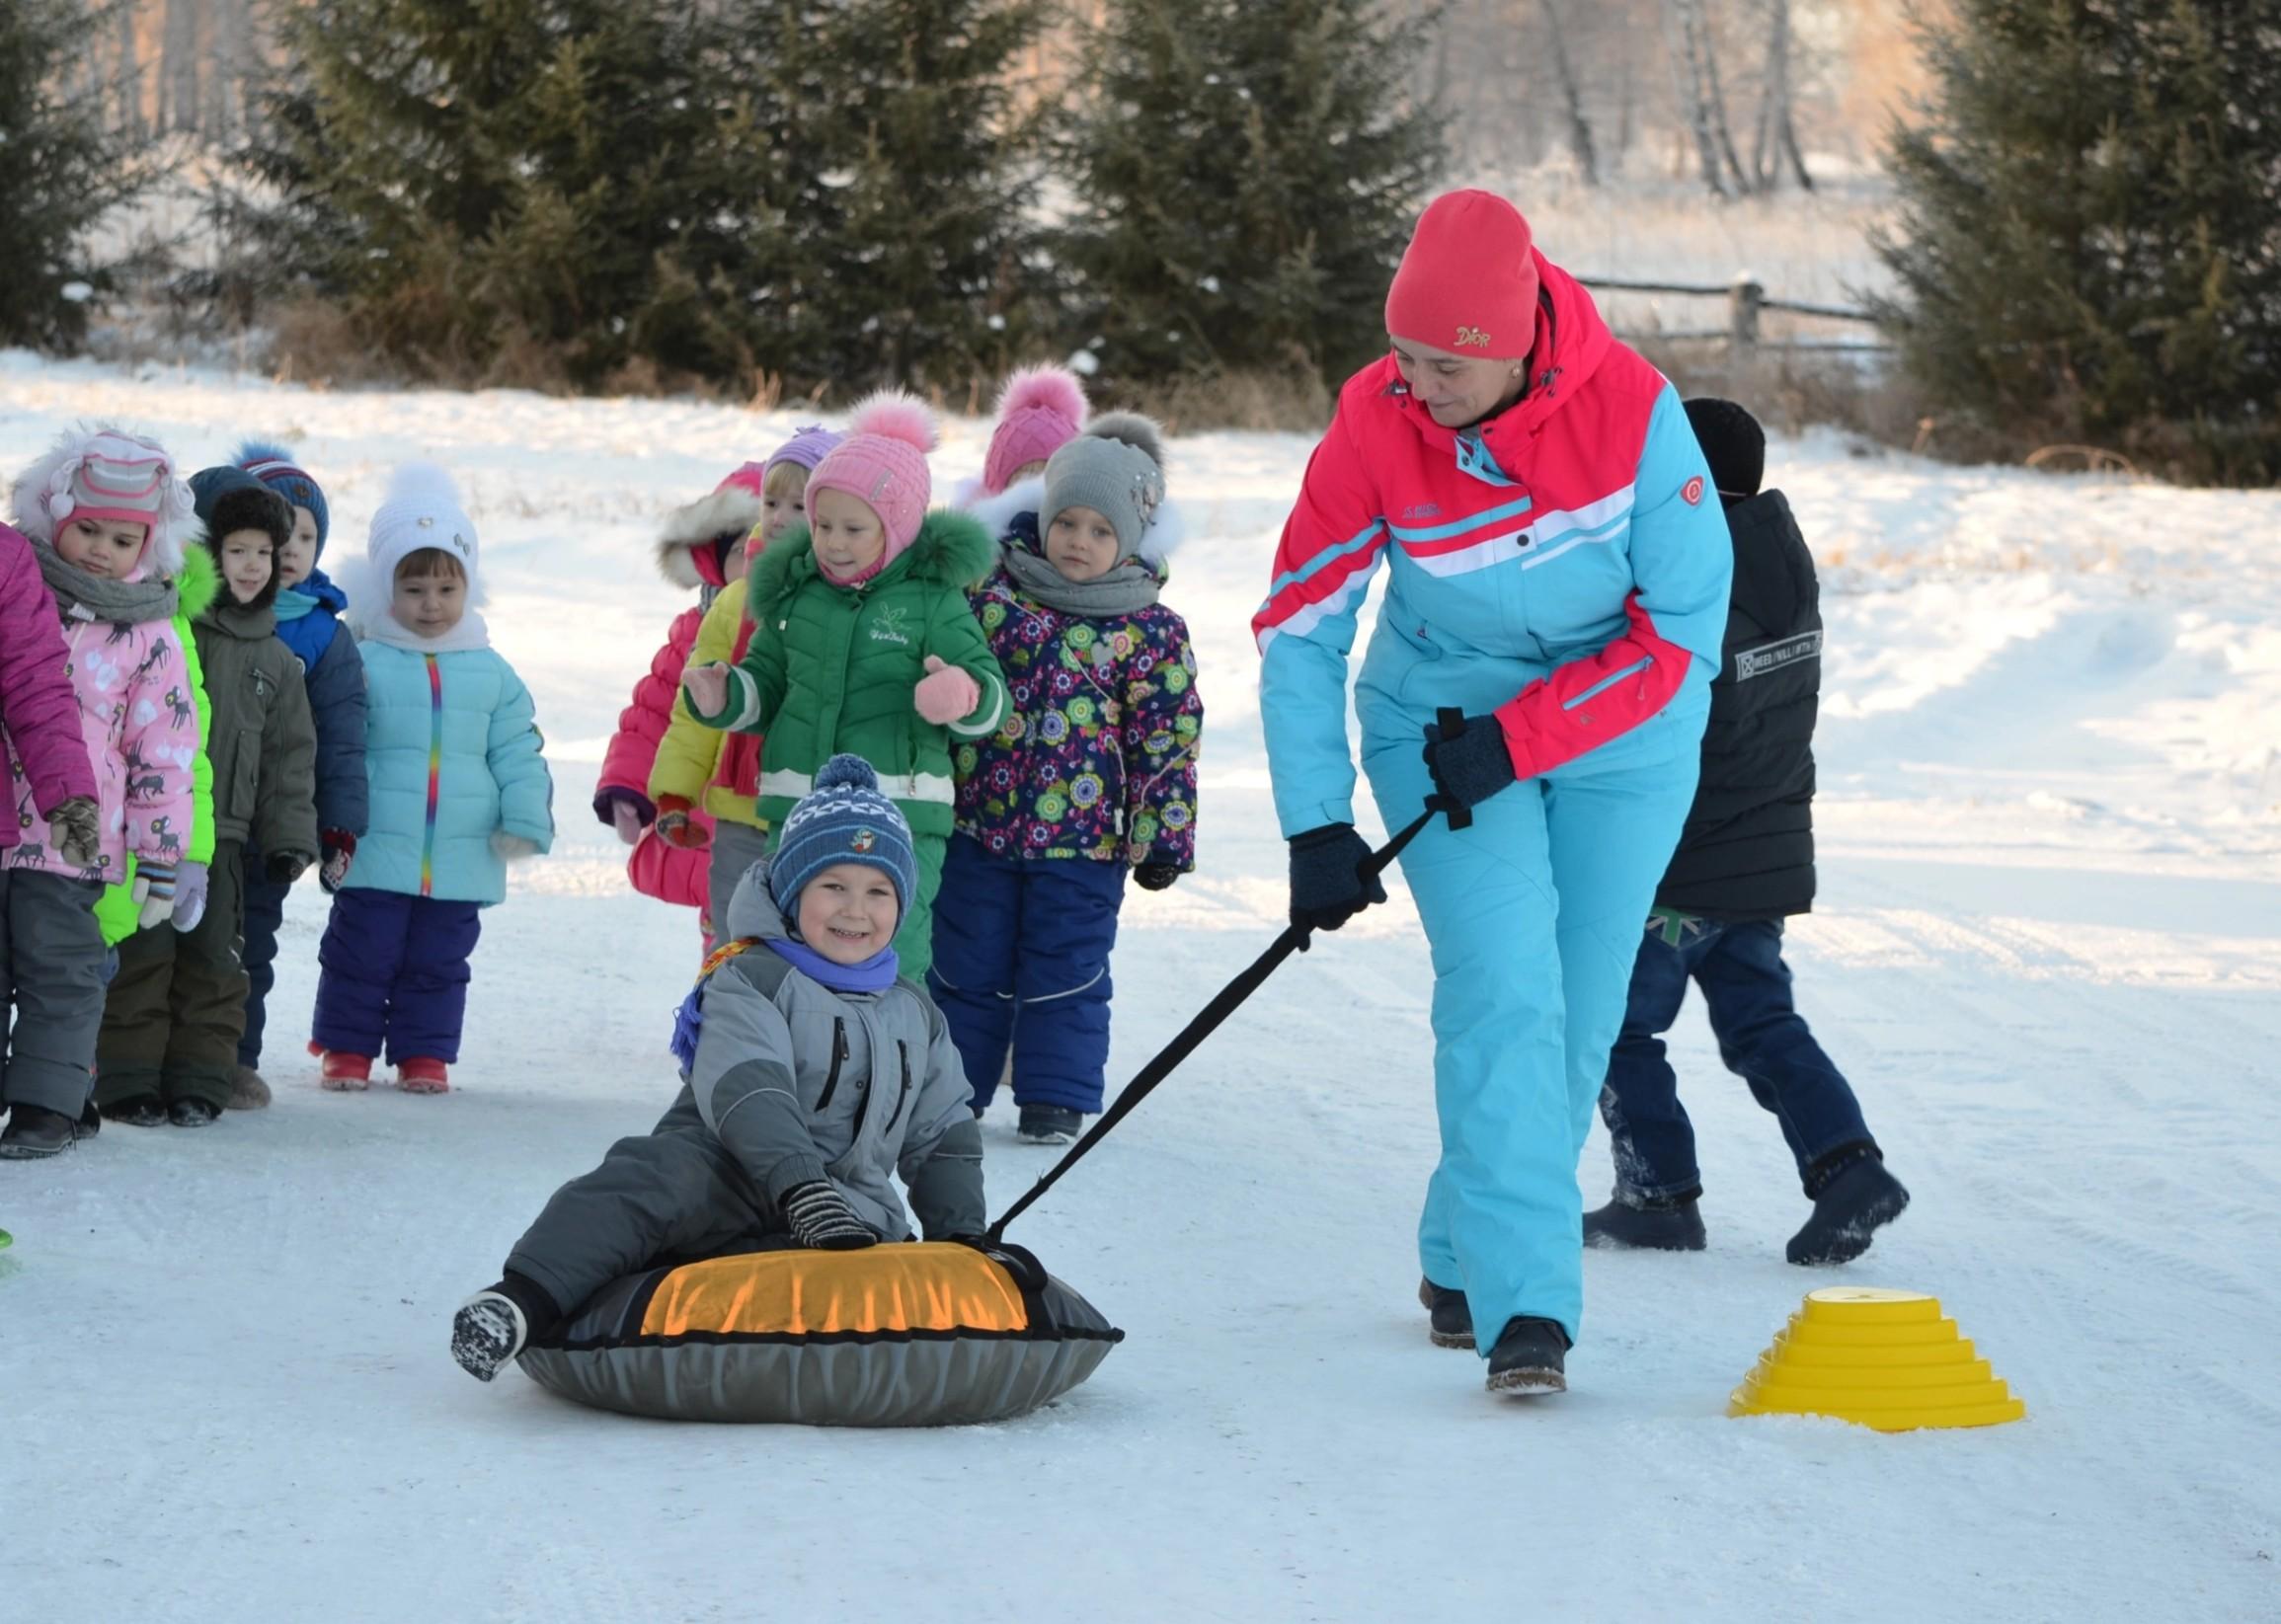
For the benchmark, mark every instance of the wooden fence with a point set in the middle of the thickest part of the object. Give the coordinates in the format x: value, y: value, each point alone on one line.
x: 1746, y: 301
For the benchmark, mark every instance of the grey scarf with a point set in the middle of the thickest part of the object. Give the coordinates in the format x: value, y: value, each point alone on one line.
x: 82, y: 596
x: 1128, y: 587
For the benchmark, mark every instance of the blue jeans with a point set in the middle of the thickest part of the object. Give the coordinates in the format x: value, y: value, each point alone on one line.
x: 1761, y: 1038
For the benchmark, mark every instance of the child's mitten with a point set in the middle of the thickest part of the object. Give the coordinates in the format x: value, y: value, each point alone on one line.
x: 510, y: 847
x: 675, y: 828
x: 190, y: 896
x: 78, y: 830
x: 284, y: 867
x: 153, y: 893
x: 822, y: 1219
x: 708, y: 689
x: 945, y: 693
x: 625, y: 811
x: 1155, y: 876
x: 339, y: 852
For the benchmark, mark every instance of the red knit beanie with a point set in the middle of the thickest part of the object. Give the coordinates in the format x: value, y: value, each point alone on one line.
x: 1467, y: 282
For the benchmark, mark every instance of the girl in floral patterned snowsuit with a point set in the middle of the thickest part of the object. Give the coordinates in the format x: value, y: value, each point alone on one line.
x: 1093, y: 775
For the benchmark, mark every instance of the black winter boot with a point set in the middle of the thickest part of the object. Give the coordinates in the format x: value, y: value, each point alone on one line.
x: 1635, y: 1223
x: 1049, y: 1125
x: 1856, y: 1200
x: 190, y: 1112
x: 35, y: 1131
x: 1531, y: 1358
x: 137, y: 1111
x: 1453, y: 1321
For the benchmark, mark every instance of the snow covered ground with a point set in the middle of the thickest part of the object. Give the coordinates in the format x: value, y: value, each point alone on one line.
x: 2048, y: 950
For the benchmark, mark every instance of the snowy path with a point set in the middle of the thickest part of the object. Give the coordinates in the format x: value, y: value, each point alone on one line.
x: 2048, y: 950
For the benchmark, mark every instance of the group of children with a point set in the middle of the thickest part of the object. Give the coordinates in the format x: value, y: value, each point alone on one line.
x: 900, y: 760
x: 1006, y: 668
x: 921, y: 745
x: 189, y: 726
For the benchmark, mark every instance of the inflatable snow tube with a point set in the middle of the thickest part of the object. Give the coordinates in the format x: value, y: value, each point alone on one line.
x: 911, y: 1335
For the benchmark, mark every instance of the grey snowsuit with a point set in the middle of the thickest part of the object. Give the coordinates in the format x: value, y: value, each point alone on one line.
x: 792, y: 1082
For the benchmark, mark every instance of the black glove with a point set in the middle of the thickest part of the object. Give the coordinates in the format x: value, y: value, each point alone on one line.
x: 284, y: 867
x: 1327, y: 888
x: 1017, y: 1260
x: 822, y: 1219
x: 1155, y: 876
x: 1474, y: 766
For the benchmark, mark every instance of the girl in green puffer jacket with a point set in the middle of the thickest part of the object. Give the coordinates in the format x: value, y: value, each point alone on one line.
x: 864, y: 643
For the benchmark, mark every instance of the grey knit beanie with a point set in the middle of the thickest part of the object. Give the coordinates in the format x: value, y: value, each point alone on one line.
x: 1116, y: 467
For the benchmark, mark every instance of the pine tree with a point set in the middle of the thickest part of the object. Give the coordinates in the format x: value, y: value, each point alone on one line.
x: 1247, y: 174
x: 913, y: 247
x: 2091, y: 239
x: 583, y: 181
x: 60, y: 171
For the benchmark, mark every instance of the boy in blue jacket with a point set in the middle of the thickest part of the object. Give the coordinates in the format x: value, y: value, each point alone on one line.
x: 458, y: 787
x: 308, y: 609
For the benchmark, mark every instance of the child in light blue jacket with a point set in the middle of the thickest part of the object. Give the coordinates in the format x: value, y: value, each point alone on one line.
x: 459, y: 787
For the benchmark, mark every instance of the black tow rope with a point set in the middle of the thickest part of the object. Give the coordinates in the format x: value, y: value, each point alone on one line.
x: 1295, y: 939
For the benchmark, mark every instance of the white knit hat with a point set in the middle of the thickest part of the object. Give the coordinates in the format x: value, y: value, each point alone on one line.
x: 421, y: 510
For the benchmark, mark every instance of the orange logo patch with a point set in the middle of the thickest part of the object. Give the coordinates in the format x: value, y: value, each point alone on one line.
x: 1473, y: 338
x: 1691, y: 492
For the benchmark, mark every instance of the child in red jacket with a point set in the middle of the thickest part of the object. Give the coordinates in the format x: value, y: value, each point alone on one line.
x: 703, y: 546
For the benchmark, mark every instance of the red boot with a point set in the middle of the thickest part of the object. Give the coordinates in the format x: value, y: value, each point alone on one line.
x: 347, y: 1073
x: 422, y: 1074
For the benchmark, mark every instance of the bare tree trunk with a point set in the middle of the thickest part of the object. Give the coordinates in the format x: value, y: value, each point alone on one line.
x: 1579, y: 128
x: 1714, y: 97
x: 178, y: 76
x: 129, y: 77
x: 1778, y: 126
x: 1687, y: 79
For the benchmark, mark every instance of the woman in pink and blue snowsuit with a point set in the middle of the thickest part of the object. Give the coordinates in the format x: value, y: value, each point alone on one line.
x: 1558, y: 574
x: 1092, y: 776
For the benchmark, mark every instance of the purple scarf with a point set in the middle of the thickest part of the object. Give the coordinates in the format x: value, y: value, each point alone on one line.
x: 874, y: 974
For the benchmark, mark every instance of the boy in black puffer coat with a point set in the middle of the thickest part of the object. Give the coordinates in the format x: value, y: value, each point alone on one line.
x: 1744, y: 863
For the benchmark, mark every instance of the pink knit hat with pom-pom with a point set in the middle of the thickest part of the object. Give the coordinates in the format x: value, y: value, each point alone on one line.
x: 882, y: 463
x: 1041, y: 409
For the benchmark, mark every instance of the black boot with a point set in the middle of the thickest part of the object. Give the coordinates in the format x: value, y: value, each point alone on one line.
x: 34, y: 1132
x: 1635, y: 1223
x: 137, y: 1111
x: 1855, y: 1200
x: 90, y: 1121
x: 190, y: 1112
x: 1453, y: 1321
x: 1049, y: 1125
x: 1529, y: 1358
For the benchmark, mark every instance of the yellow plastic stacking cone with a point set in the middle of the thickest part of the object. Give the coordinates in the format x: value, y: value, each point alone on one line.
x: 1887, y: 1359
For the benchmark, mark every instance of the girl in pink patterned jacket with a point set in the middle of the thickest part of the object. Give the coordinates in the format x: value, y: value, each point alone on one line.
x: 104, y: 514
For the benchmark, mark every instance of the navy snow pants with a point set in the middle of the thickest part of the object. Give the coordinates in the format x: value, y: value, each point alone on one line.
x: 394, y: 974
x: 264, y: 917
x: 1021, y: 957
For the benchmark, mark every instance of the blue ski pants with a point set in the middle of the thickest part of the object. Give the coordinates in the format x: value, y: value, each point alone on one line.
x: 1533, y: 916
